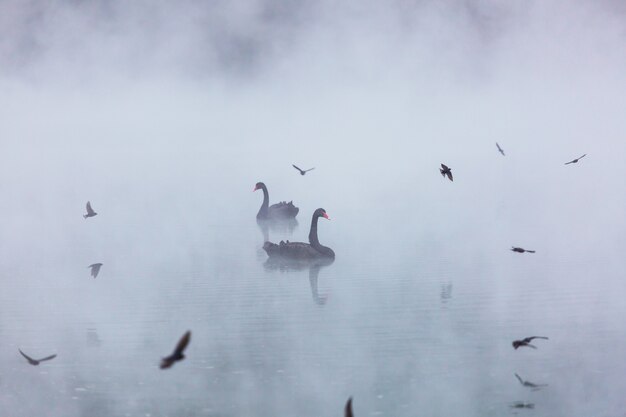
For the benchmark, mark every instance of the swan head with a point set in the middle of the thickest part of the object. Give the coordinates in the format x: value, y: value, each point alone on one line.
x: 258, y: 186
x: 320, y: 212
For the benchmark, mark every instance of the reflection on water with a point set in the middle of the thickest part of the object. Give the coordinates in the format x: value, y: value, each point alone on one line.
x: 313, y: 265
x: 284, y: 226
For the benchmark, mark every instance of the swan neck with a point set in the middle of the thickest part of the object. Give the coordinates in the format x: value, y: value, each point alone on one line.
x: 313, y: 240
x: 266, y: 202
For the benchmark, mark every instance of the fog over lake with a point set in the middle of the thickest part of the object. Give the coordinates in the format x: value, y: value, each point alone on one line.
x: 165, y: 115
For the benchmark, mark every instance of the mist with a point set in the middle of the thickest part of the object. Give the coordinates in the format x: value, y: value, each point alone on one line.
x: 165, y: 116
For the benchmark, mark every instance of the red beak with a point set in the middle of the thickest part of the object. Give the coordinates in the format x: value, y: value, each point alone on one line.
x: 326, y: 216
x: 255, y: 188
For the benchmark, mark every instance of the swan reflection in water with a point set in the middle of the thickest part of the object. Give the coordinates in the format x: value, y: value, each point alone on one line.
x: 314, y: 267
x: 284, y: 226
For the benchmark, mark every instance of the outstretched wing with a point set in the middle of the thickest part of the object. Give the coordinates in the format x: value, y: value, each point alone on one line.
x: 529, y: 339
x: 310, y: 169
x: 521, y: 381
x: 95, y: 269
x: 449, y: 174
x: 26, y: 356
x: 89, y: 209
x: 444, y: 167
x: 47, y: 358
x: 182, y: 343
x: 348, y: 409
x: 581, y: 157
x: 296, y: 168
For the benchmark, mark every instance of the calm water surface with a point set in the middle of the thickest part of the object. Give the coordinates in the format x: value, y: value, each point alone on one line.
x: 414, y: 318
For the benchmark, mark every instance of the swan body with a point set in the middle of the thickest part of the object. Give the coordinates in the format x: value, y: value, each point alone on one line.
x: 301, y: 250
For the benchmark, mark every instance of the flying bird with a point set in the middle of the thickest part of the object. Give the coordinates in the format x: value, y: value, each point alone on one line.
x: 521, y: 250
x: 90, y: 212
x: 36, y: 362
x: 446, y: 171
x: 500, y: 149
x: 302, y: 172
x: 95, y: 269
x: 526, y: 342
x: 348, y: 409
x: 177, y: 355
x: 573, y: 161
x: 534, y: 387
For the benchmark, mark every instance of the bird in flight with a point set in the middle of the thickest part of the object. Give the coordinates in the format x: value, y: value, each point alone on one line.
x: 521, y: 250
x: 95, y: 269
x: 177, y: 355
x: 535, y: 387
x: 500, y: 149
x: 348, y: 409
x: 446, y: 171
x: 90, y: 212
x: 302, y: 172
x: 36, y: 362
x: 573, y: 161
x: 526, y: 342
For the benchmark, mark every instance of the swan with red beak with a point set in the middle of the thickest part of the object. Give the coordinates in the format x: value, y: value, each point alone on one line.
x: 299, y: 250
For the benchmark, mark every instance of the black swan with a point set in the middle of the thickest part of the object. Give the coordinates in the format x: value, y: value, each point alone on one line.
x: 282, y: 210
x: 301, y: 250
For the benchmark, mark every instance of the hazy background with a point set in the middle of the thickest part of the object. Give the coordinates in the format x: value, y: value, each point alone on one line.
x: 165, y: 115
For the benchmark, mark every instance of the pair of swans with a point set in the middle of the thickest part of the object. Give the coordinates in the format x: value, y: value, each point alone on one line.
x: 292, y: 250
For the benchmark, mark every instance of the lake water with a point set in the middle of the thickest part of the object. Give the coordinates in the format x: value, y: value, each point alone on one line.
x: 414, y: 318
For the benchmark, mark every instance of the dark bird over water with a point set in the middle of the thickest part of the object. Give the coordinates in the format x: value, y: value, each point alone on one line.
x: 302, y: 172
x: 521, y: 250
x: 90, y: 212
x: 278, y: 211
x: 446, y: 171
x: 500, y: 149
x: 95, y: 269
x: 348, y: 409
x: 573, y: 161
x: 526, y: 342
x: 521, y: 404
x: 300, y: 250
x: 534, y: 387
x: 36, y: 362
x: 177, y: 355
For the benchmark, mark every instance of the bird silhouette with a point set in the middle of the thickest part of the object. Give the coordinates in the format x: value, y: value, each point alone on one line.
x: 500, y: 149
x: 177, y: 355
x: 90, y: 212
x: 521, y: 250
x: 348, y: 409
x: 95, y: 269
x: 573, y: 161
x: 534, y: 387
x: 36, y: 362
x: 302, y: 172
x: 526, y: 342
x: 521, y: 404
x: 446, y: 171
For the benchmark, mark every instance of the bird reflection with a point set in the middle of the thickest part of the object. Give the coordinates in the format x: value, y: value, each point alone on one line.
x: 92, y: 337
x: 314, y: 266
x: 522, y: 404
x: 276, y: 226
x: 534, y: 387
x: 446, y: 292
